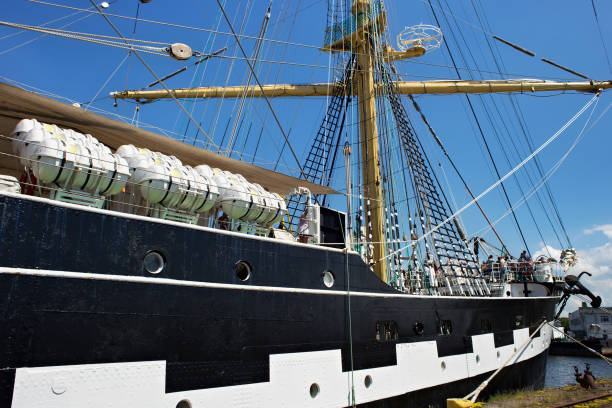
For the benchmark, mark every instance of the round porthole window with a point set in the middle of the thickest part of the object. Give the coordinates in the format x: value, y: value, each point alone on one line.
x: 153, y: 262
x: 328, y: 279
x: 367, y: 381
x: 183, y: 404
x: 498, y: 354
x: 243, y: 270
x: 314, y: 390
x: 443, y: 365
x: 477, y: 359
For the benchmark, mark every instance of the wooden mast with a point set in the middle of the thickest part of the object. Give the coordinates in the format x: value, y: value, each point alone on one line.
x: 372, y: 187
x: 356, y: 38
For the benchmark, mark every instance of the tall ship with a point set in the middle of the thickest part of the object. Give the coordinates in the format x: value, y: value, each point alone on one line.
x: 144, y: 269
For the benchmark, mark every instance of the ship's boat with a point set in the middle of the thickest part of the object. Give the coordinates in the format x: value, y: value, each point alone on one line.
x: 68, y: 158
x: 242, y: 200
x: 166, y: 181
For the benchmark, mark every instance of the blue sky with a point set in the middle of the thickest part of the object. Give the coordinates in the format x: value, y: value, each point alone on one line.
x: 563, y: 31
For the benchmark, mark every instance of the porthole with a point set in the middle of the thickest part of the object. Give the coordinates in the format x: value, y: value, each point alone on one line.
x: 153, y: 262
x: 367, y: 381
x: 443, y: 365
x: 498, y: 354
x: 243, y: 270
x: 477, y: 359
x: 183, y: 404
x: 314, y: 390
x: 328, y: 279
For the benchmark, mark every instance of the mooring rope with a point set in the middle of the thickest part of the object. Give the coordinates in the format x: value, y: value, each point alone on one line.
x: 474, y: 394
x: 606, y: 359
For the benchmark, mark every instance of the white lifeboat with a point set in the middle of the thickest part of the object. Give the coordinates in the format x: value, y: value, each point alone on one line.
x: 280, y: 209
x: 211, y: 192
x: 273, y: 207
x: 245, y: 201
x: 116, y: 172
x: 68, y: 158
x: 166, y: 181
x: 147, y: 171
x: 233, y: 194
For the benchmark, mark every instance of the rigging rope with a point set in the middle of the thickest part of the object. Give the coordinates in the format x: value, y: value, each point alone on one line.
x: 228, y: 71
x: 40, y: 36
x: 106, y: 82
x: 261, y: 88
x: 452, y: 163
x: 603, y: 43
x: 127, y: 73
x: 152, y: 72
x: 301, y: 101
x: 142, y: 20
x: 481, y: 132
x: 258, y: 45
x: 553, y: 169
x: 511, y: 172
x: 207, y: 48
x: 115, y: 42
x: 55, y: 20
x: 525, y: 132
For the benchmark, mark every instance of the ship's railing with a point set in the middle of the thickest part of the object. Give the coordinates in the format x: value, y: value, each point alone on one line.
x: 450, y: 279
x: 540, y: 271
x: 348, y: 26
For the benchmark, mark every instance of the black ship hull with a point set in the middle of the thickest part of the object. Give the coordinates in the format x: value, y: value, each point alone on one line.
x: 81, y: 316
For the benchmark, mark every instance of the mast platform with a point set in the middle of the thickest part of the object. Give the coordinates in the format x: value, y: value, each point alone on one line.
x: 347, y: 35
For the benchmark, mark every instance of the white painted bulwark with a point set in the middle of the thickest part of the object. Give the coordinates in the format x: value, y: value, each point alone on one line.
x: 142, y: 384
x: 117, y: 385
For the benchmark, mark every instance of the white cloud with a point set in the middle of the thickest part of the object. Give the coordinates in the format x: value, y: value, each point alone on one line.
x: 598, y: 262
x: 606, y: 229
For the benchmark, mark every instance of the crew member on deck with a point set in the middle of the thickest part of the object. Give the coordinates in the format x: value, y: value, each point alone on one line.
x: 488, y: 265
x: 224, y: 222
x: 302, y: 228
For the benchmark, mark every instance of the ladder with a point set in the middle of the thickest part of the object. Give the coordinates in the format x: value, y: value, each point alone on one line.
x: 317, y: 168
x: 458, y: 263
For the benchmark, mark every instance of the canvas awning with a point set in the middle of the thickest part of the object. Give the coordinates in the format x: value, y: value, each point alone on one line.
x: 17, y: 104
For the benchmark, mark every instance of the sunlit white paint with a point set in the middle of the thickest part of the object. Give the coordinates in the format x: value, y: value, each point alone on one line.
x: 142, y: 384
